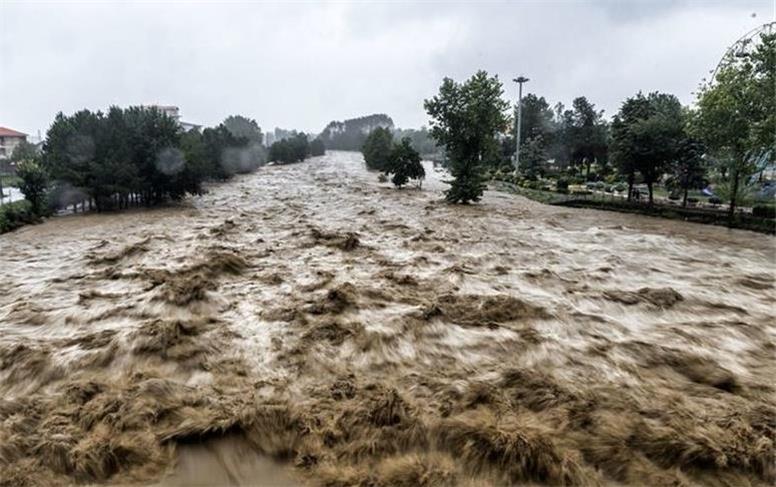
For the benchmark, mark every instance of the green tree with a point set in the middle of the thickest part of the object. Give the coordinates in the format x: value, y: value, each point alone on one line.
x: 404, y: 163
x: 536, y: 121
x: 533, y: 156
x: 688, y: 169
x: 34, y: 183
x: 646, y: 137
x: 624, y: 138
x: 585, y: 135
x: 317, y: 147
x: 736, y: 115
x: 219, y: 145
x: 295, y: 148
x: 127, y: 156
x: 351, y: 134
x: 466, y: 119
x: 25, y: 151
x: 421, y: 140
x: 243, y: 127
x: 377, y: 149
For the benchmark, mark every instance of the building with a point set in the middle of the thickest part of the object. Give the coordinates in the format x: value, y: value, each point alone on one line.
x: 9, y: 140
x: 174, y: 113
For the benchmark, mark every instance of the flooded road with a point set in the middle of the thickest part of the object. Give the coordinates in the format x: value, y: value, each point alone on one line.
x: 308, y: 325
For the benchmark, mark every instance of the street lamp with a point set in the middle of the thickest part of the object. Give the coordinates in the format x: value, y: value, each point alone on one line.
x: 519, y: 80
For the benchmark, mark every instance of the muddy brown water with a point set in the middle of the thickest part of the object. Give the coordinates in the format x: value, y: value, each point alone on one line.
x: 308, y: 325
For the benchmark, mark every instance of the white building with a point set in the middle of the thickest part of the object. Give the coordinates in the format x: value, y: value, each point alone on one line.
x: 174, y: 113
x: 9, y: 139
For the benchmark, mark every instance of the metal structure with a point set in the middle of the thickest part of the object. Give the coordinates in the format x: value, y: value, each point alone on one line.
x: 519, y: 80
x: 742, y: 46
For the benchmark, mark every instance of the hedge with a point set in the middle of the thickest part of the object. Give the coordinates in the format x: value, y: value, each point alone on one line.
x: 16, y: 214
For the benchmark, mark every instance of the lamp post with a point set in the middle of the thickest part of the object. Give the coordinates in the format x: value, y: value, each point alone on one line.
x: 519, y: 80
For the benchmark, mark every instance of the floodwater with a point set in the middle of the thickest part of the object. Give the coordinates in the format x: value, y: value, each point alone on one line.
x: 307, y: 324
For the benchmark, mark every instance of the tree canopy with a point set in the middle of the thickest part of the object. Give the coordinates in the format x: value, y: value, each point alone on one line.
x: 404, y: 163
x: 377, y: 149
x: 293, y: 149
x: 351, y: 134
x: 647, y: 134
x: 466, y: 119
x: 243, y: 127
x: 736, y: 114
x: 140, y: 155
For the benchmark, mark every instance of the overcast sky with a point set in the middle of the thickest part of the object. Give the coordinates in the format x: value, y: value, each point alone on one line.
x: 300, y: 65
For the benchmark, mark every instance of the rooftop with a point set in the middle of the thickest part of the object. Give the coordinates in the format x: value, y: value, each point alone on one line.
x: 6, y: 132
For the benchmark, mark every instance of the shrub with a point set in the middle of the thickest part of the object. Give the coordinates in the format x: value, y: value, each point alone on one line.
x: 16, y: 214
x: 619, y: 187
x: 715, y: 201
x: 764, y: 211
x: 692, y: 200
x: 382, y: 177
x: 562, y: 185
x: 674, y: 196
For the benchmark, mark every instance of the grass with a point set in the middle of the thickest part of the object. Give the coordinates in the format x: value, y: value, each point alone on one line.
x: 546, y: 197
x: 660, y: 192
x: 611, y: 203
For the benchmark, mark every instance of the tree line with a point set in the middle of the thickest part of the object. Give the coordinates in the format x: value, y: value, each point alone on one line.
x: 652, y: 138
x: 138, y: 156
x: 296, y: 147
x: 351, y: 134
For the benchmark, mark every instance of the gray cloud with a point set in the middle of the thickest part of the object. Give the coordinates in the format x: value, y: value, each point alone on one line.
x: 300, y: 65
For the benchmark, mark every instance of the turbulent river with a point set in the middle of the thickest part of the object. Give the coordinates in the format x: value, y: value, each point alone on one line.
x: 307, y: 324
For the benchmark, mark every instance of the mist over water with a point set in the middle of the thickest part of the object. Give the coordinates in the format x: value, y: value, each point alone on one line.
x: 306, y: 323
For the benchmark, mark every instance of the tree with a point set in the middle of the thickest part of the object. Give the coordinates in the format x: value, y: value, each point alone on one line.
x: 736, y: 114
x: 536, y: 119
x: 317, y: 147
x: 624, y: 145
x: 351, y: 134
x: 466, y: 119
x: 292, y: 149
x: 421, y: 140
x: 243, y: 127
x: 125, y: 156
x: 34, y: 183
x: 197, y: 163
x: 688, y: 169
x: 532, y: 157
x: 660, y: 136
x: 404, y: 163
x: 377, y: 149
x: 585, y: 135
x: 646, y: 137
x: 25, y: 151
x: 220, y: 145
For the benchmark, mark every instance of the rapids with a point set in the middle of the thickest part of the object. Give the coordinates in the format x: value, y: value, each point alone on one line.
x: 308, y: 324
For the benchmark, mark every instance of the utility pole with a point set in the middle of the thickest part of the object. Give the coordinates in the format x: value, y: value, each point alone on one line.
x: 519, y: 80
